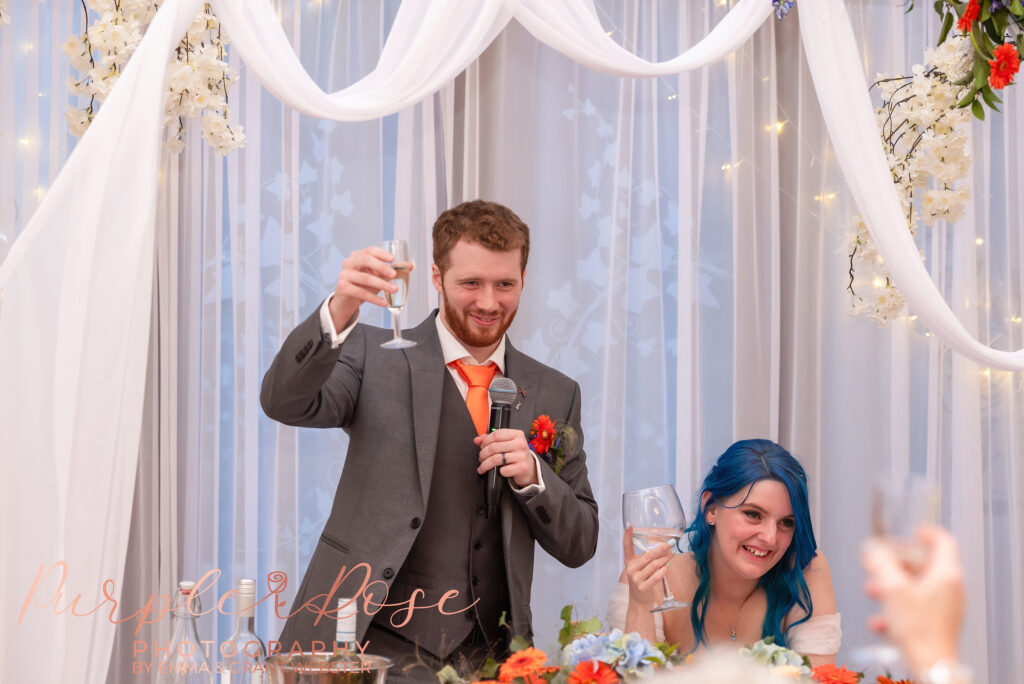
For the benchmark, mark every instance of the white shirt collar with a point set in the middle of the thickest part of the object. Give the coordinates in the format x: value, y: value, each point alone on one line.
x: 453, y: 349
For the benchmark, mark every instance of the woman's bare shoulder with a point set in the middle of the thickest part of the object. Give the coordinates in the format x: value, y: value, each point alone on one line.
x: 818, y: 577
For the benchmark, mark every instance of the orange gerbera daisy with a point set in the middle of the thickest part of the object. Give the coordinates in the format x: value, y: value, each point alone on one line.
x: 882, y: 679
x: 830, y: 674
x: 593, y: 672
x: 969, y: 16
x: 523, y: 664
x: 1004, y: 66
x: 542, y: 434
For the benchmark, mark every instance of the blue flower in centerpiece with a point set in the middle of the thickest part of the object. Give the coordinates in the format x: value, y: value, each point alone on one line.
x: 782, y: 7
x: 587, y: 647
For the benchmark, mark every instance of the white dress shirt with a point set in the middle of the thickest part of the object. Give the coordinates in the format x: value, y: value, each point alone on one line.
x: 452, y: 350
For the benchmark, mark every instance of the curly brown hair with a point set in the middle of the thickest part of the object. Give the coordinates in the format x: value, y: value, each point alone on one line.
x: 490, y: 224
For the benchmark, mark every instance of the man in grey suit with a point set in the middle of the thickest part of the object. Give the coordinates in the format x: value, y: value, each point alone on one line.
x: 409, y: 519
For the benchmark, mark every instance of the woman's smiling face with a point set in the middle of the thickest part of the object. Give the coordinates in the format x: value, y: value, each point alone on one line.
x: 753, y: 528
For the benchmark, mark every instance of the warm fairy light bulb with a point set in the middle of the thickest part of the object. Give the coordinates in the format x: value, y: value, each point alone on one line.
x: 914, y: 317
x: 26, y: 141
x: 39, y: 192
x: 979, y: 241
x: 673, y: 96
x: 986, y: 372
x: 878, y: 282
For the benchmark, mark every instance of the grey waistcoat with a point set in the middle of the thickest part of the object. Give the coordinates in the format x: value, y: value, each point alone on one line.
x: 457, y: 547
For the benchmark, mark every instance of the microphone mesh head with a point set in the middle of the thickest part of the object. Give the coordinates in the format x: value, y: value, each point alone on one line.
x: 502, y: 391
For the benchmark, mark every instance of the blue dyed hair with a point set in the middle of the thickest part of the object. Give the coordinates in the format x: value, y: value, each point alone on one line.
x: 743, y: 464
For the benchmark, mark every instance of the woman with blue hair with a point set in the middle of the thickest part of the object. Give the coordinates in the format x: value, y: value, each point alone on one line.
x: 753, y: 570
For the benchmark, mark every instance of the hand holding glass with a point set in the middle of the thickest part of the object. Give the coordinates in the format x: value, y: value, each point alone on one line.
x: 656, y: 517
x: 898, y: 508
x: 396, y: 300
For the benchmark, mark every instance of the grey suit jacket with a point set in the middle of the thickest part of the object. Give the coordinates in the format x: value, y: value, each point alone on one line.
x: 388, y: 401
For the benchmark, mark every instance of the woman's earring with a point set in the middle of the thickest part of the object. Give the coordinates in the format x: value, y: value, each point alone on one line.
x: 711, y: 522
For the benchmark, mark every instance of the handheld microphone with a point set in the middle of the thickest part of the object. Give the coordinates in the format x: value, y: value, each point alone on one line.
x: 502, y: 393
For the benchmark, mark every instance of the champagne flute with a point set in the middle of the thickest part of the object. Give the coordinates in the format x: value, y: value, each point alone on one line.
x: 396, y: 300
x: 657, y: 517
x: 898, y: 508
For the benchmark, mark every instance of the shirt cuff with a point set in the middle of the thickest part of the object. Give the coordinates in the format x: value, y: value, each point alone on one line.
x: 534, y: 489
x: 327, y: 324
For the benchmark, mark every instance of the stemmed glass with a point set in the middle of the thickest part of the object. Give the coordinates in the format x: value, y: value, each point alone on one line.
x: 656, y: 517
x: 898, y: 508
x: 396, y: 300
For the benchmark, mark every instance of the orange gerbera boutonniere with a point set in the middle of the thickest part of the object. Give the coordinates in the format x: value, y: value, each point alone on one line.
x: 524, y: 664
x: 593, y: 672
x: 552, y: 440
x: 830, y: 674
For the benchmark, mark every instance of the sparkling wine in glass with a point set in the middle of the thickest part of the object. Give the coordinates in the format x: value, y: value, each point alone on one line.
x: 898, y: 508
x: 657, y: 517
x: 396, y: 300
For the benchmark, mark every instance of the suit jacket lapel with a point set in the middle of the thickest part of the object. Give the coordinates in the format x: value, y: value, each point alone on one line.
x: 426, y: 372
x: 519, y: 369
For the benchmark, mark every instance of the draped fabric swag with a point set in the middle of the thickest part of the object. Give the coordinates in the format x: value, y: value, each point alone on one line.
x: 77, y: 406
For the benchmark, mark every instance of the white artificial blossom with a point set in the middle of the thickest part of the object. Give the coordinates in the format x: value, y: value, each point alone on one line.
x: 198, y: 82
x: 5, y: 16
x: 925, y: 138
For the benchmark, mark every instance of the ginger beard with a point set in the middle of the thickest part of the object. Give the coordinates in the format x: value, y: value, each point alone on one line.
x: 471, y: 332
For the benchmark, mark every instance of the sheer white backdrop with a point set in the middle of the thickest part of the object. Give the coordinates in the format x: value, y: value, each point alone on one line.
x: 688, y: 270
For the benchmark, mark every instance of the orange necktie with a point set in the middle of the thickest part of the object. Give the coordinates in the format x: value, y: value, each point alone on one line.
x: 479, y: 379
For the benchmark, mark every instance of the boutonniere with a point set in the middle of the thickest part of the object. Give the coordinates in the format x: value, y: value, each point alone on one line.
x: 552, y: 440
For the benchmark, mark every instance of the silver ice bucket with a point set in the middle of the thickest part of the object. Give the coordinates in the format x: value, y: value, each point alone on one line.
x: 323, y: 668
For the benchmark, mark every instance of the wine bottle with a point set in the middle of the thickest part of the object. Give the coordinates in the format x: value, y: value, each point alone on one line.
x: 185, y: 661
x: 346, y: 657
x: 244, y: 653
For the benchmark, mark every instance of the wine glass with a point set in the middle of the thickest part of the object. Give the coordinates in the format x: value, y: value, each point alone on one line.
x: 898, y: 508
x: 396, y: 300
x: 657, y: 517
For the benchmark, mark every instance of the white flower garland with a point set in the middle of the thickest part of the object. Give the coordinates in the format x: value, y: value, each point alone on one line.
x: 5, y: 16
x: 198, y: 77
x: 925, y: 139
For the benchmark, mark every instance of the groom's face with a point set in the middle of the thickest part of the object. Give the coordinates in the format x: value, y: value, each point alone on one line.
x: 480, y: 292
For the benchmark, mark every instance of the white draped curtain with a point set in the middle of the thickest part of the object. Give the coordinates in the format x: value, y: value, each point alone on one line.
x: 688, y: 270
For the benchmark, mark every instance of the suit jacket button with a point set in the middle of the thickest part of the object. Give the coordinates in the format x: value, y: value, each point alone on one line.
x: 388, y: 573
x: 415, y: 523
x: 480, y: 510
x: 477, y: 546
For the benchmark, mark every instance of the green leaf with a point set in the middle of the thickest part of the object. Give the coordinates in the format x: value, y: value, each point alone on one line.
x: 985, y: 13
x: 993, y: 33
x: 947, y: 24
x: 982, y: 45
x: 489, y: 670
x: 518, y: 644
x: 1016, y: 8
x: 991, y: 99
x: 1000, y: 21
x: 448, y: 675
x: 566, y: 614
x: 980, y: 71
x: 503, y: 620
x: 978, y: 110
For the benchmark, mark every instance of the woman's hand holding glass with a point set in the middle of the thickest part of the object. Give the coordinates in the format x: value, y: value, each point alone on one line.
x: 646, y: 571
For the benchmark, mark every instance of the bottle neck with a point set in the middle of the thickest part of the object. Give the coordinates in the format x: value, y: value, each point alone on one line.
x: 245, y: 624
